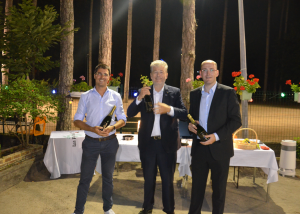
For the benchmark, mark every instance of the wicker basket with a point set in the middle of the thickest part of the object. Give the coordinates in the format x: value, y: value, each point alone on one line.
x: 239, y: 144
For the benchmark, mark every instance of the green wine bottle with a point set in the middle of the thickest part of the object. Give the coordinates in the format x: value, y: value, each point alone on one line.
x: 106, y: 121
x: 148, y: 103
x: 200, y: 130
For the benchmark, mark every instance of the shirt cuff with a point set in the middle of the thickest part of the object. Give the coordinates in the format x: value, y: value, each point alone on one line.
x: 171, y: 113
x: 137, y: 102
x: 216, y: 136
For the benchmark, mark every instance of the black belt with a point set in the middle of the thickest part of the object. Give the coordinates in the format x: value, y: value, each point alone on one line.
x: 103, y: 138
x: 156, y: 137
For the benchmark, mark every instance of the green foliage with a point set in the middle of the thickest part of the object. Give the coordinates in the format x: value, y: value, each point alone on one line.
x: 31, y: 33
x: 295, y: 88
x: 197, y: 83
x: 31, y: 98
x: 145, y: 81
x: 82, y: 87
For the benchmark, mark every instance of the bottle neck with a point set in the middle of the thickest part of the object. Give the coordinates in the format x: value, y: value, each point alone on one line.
x: 112, y: 111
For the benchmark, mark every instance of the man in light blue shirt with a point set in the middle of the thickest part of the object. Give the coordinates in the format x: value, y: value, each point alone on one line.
x: 217, y: 109
x: 96, y: 104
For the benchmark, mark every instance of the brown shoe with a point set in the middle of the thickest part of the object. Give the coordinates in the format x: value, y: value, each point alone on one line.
x: 143, y: 211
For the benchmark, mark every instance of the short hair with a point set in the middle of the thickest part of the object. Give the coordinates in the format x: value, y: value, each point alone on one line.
x: 158, y: 63
x: 103, y: 66
x: 209, y: 61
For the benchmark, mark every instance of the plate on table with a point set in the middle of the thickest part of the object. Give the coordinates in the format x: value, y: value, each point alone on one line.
x: 128, y: 137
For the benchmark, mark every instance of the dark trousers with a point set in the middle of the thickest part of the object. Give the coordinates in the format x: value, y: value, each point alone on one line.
x: 91, y: 150
x: 202, y: 161
x: 166, y: 162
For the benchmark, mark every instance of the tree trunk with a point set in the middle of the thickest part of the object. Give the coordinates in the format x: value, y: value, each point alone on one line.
x: 267, y: 51
x: 8, y: 4
x: 157, y: 30
x: 188, y: 49
x: 34, y: 2
x: 66, y: 64
x: 223, y: 42
x: 105, y: 35
x: 128, y: 53
x: 90, y: 75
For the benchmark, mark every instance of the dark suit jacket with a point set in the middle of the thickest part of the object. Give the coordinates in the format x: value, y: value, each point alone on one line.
x: 169, y: 125
x: 224, y: 118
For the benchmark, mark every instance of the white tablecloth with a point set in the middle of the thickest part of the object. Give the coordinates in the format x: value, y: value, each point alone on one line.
x: 64, y: 151
x: 264, y: 159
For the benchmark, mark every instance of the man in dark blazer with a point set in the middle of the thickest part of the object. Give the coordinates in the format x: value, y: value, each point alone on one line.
x: 158, y: 136
x: 215, y: 107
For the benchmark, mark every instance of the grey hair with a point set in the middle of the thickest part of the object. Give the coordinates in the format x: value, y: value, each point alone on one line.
x: 158, y: 63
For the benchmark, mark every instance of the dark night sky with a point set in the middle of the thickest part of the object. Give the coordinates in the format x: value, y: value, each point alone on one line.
x: 209, y: 16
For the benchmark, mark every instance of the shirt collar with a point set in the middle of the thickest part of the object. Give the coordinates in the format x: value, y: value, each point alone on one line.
x: 212, y: 90
x: 160, y: 92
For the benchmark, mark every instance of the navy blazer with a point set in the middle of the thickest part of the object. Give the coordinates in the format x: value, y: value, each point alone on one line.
x: 224, y: 118
x: 170, y: 137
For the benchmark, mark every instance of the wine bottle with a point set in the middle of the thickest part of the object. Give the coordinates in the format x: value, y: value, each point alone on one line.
x: 106, y: 121
x: 148, y: 103
x: 200, y: 130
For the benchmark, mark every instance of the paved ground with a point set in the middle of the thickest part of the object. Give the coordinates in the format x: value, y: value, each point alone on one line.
x: 37, y: 194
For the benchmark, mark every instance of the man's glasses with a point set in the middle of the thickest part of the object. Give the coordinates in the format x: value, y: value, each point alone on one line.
x: 208, y: 70
x: 100, y: 74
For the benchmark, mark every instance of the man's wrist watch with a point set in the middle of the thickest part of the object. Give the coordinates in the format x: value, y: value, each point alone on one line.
x: 114, y: 128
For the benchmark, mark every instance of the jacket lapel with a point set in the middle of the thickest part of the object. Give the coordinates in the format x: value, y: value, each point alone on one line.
x: 198, y: 100
x: 166, y: 95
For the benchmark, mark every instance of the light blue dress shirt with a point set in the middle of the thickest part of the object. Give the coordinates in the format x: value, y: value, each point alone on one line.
x: 96, y: 108
x: 205, y: 104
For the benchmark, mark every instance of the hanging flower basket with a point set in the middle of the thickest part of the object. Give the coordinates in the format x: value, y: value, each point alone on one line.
x: 114, y: 88
x: 246, y: 95
x: 76, y: 94
x: 296, y: 95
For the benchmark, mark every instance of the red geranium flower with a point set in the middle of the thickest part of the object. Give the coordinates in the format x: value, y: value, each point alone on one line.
x: 251, y: 76
x: 121, y: 74
x: 242, y: 88
x: 248, y: 81
x: 288, y: 82
x: 255, y: 80
x: 251, y: 83
x: 111, y: 75
x: 198, y: 77
x: 110, y: 79
x: 235, y: 88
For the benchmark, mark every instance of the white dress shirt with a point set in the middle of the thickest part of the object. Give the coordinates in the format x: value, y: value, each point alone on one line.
x: 157, y: 97
x: 205, y: 104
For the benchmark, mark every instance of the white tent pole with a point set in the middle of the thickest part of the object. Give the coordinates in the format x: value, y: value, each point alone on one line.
x: 243, y: 62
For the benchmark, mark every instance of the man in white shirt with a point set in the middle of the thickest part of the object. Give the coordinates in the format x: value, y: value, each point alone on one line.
x: 159, y: 137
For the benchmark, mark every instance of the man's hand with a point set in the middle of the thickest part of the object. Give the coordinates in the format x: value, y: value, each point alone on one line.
x: 144, y: 91
x: 192, y: 127
x: 210, y: 141
x: 161, y: 108
x: 102, y: 132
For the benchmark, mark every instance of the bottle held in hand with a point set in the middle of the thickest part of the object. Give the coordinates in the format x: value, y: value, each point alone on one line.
x: 148, y: 103
x: 106, y: 121
x: 200, y: 130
